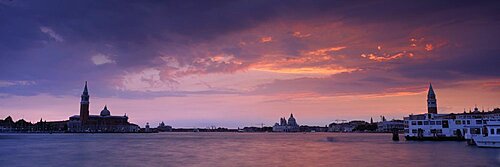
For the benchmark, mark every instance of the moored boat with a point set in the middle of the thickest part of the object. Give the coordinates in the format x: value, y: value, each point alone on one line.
x: 491, y: 138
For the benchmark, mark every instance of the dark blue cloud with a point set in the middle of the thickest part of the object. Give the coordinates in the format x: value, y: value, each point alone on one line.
x: 136, y: 33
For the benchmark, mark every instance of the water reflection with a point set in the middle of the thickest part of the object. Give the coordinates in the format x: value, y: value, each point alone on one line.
x: 236, y: 149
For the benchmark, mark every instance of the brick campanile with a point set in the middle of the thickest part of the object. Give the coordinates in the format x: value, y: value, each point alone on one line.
x: 84, y: 105
x: 431, y: 101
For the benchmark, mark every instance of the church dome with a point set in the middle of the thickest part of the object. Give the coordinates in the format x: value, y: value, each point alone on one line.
x: 292, y: 121
x: 105, y: 112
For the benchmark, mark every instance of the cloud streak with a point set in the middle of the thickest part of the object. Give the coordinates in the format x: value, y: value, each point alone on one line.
x: 51, y: 33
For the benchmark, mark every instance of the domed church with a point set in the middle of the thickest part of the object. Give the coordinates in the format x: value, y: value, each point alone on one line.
x: 104, y: 122
x: 283, y: 126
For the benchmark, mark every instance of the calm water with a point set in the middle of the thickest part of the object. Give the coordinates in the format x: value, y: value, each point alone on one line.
x: 235, y: 149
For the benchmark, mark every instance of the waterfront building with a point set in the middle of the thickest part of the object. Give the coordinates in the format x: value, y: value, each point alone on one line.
x: 164, y: 128
x: 104, y: 122
x: 146, y: 128
x: 389, y: 126
x: 21, y: 125
x: 50, y: 126
x: 256, y: 129
x: 434, y: 126
x: 284, y: 126
x: 347, y: 126
x: 8, y: 125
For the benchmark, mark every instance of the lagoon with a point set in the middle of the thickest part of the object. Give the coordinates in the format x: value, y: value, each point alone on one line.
x: 236, y: 149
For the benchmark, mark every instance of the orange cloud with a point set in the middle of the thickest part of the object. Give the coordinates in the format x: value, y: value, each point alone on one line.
x: 310, y: 62
x: 386, y: 57
x: 266, y: 39
x: 304, y: 70
x: 300, y: 35
x: 429, y: 47
x: 416, y: 47
x: 390, y: 94
x: 226, y: 59
x: 426, y: 44
x: 324, y: 51
x: 415, y: 42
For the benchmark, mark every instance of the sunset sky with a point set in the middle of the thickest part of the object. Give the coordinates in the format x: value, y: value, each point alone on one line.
x: 243, y: 63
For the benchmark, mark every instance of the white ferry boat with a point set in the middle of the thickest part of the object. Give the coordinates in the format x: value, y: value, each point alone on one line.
x: 472, y: 131
x: 492, y: 136
x: 434, y: 126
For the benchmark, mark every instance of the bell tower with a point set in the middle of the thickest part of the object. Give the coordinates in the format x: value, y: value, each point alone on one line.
x: 431, y: 101
x: 84, y: 105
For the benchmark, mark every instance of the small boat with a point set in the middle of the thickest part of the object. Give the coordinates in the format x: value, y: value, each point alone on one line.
x: 491, y: 138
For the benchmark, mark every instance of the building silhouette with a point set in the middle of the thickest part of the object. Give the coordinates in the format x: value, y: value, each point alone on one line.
x: 284, y: 126
x: 104, y: 122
